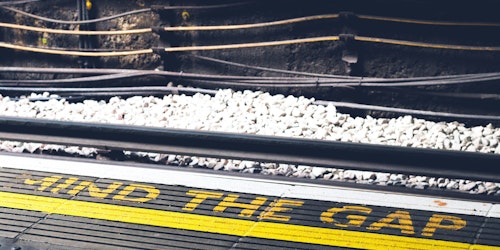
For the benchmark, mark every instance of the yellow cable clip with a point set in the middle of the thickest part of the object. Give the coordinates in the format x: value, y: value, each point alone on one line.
x: 185, y: 15
x: 88, y: 3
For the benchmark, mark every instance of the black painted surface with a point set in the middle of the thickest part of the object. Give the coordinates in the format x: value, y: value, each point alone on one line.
x: 92, y: 233
x: 253, y: 147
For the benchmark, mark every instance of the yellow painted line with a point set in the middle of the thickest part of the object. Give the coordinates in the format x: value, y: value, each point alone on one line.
x: 229, y: 226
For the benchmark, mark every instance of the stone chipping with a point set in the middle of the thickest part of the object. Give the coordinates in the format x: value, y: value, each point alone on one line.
x: 261, y: 113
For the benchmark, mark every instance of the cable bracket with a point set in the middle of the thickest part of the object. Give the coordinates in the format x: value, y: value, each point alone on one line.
x: 158, y: 8
x: 347, y: 38
x: 350, y: 51
x: 347, y: 16
x: 157, y: 29
x: 159, y: 50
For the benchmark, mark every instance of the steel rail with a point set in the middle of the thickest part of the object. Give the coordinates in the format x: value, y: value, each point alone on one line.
x: 416, y: 161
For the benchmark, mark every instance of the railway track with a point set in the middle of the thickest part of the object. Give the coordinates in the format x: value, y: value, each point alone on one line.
x: 65, y: 202
x: 256, y: 148
x: 49, y: 202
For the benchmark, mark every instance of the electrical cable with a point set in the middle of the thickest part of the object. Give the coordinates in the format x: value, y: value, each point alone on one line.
x: 319, y: 17
x: 103, y: 71
x: 76, y: 32
x: 46, y: 19
x: 310, y: 83
x: 85, y: 41
x: 161, y: 90
x: 424, y: 45
x: 480, y: 96
x: 269, y: 69
x: 199, y: 7
x: 242, y: 80
x: 133, y: 12
x: 84, y: 49
x: 177, y: 74
x: 252, y: 45
x: 257, y: 81
x: 233, y: 83
x: 251, y: 83
x: 75, y: 53
x: 426, y: 78
x: 324, y: 82
x: 318, y: 83
x: 253, y: 25
x: 17, y: 2
x: 243, y: 26
x: 330, y: 38
x: 374, y: 82
x: 113, y: 91
x: 171, y: 49
x: 458, y: 95
x: 357, y: 79
x: 426, y: 22
x: 221, y: 81
x: 278, y: 82
x: 407, y: 111
x: 460, y: 80
x: 5, y: 83
x: 86, y: 79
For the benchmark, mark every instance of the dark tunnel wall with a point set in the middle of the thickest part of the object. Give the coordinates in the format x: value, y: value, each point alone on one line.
x: 327, y: 57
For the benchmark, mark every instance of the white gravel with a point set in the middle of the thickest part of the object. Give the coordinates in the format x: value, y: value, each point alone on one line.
x: 265, y: 114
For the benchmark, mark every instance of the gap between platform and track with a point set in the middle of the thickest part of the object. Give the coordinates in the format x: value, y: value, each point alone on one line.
x: 244, y: 207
